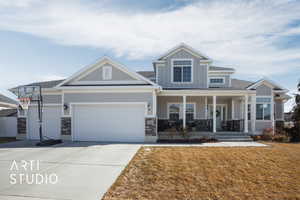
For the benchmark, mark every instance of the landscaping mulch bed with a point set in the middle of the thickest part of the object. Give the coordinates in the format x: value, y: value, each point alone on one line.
x: 212, y: 173
x: 5, y: 140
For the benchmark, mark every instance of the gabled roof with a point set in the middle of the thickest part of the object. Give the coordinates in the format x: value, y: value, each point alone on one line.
x: 187, y: 48
x: 266, y: 81
x: 106, y: 59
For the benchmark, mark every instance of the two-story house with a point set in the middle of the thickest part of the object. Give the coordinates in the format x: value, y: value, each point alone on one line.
x: 106, y: 101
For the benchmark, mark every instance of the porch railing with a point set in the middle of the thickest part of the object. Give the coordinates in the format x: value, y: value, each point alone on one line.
x: 165, y: 125
x: 232, y: 125
x: 198, y: 125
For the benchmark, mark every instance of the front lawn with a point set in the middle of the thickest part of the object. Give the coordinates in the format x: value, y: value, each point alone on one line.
x: 5, y: 140
x: 211, y: 173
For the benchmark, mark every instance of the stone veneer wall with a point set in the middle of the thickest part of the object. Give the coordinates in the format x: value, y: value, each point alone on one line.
x: 66, y: 126
x: 150, y: 127
x: 21, y: 124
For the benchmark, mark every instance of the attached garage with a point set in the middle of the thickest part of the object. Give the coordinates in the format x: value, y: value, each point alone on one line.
x: 109, y: 122
x: 51, y: 122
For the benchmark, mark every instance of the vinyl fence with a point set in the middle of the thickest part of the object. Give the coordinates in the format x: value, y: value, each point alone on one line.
x: 8, y: 126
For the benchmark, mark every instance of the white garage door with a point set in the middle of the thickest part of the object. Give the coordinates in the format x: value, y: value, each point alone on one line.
x: 109, y: 122
x: 51, y: 122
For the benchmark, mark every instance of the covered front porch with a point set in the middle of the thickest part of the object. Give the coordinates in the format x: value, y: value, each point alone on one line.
x: 206, y: 115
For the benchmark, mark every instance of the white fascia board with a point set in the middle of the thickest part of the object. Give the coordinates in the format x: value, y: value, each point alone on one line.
x: 205, y: 92
x: 4, y: 104
x: 186, y: 47
x: 225, y: 72
x: 108, y: 87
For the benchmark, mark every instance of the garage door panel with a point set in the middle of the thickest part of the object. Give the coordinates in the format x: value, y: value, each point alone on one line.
x: 105, y: 122
x: 51, y: 122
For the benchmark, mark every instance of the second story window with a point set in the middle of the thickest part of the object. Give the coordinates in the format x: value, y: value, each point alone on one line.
x: 182, y: 71
x: 216, y: 80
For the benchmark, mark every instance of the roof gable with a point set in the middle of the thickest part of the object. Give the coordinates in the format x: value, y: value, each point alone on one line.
x: 266, y: 82
x: 187, y: 48
x: 91, y: 75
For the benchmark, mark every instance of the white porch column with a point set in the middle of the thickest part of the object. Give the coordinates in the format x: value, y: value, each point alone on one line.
x: 205, y: 114
x: 232, y: 109
x: 214, y: 114
x: 184, y: 112
x: 246, y: 114
x: 253, y: 113
x: 154, y: 104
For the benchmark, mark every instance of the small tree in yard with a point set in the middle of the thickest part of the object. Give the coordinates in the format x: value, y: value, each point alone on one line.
x: 295, y: 131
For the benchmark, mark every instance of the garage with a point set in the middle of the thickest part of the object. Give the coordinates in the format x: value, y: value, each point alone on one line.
x: 109, y: 122
x: 51, y: 122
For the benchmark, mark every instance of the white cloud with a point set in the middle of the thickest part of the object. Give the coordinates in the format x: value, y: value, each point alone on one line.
x: 235, y: 33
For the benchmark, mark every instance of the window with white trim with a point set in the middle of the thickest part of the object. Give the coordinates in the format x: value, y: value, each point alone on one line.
x: 182, y: 71
x: 107, y: 73
x: 176, y: 109
x: 217, y: 80
x: 249, y: 111
x: 263, y: 108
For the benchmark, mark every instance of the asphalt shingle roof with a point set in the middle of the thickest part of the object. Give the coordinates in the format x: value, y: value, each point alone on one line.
x: 237, y: 83
x: 8, y: 112
x: 5, y: 99
x: 147, y: 74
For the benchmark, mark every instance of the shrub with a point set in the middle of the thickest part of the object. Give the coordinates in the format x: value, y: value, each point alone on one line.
x: 280, y: 138
x: 267, y: 134
x: 294, y: 133
x: 256, y: 137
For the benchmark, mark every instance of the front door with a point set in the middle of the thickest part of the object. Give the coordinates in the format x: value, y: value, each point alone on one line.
x: 220, y: 114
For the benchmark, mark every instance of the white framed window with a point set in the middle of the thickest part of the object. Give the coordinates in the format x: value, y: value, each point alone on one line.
x: 175, y: 111
x: 263, y: 108
x: 106, y: 73
x: 216, y: 80
x: 182, y: 70
x: 249, y: 111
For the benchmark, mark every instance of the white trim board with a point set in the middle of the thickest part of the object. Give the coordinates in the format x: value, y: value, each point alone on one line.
x: 183, y: 46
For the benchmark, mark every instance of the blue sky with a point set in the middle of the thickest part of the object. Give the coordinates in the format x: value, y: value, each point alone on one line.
x: 46, y: 40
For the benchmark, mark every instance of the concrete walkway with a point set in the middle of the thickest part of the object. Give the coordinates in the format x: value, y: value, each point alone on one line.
x: 215, y: 144
x: 84, y: 170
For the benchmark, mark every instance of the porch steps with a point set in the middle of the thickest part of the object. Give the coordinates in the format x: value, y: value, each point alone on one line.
x: 232, y: 137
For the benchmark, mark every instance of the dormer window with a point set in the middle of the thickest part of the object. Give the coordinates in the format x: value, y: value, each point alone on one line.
x: 107, y: 73
x: 182, y: 70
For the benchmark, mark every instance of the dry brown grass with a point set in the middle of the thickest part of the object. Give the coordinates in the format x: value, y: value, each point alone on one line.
x: 211, y: 173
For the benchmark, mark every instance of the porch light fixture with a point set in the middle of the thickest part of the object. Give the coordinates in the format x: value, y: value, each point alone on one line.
x: 66, y: 106
x: 149, y: 107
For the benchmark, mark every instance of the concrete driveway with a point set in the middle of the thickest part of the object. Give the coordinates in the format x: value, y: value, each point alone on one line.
x: 84, y: 170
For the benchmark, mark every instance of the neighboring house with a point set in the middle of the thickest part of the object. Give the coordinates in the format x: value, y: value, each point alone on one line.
x: 107, y: 101
x: 7, y: 103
